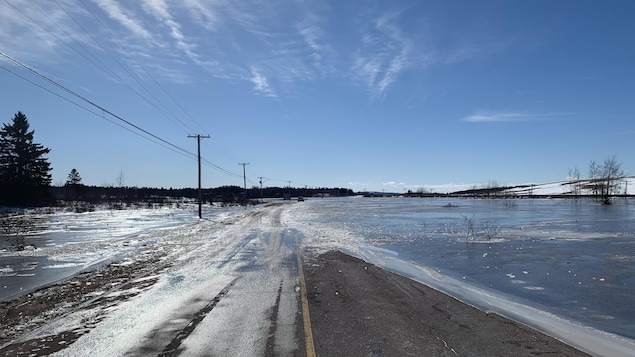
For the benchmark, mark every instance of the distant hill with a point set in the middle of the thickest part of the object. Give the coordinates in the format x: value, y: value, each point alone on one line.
x: 581, y: 187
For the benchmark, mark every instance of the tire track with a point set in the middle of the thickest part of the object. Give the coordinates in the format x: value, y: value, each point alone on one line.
x: 172, y: 348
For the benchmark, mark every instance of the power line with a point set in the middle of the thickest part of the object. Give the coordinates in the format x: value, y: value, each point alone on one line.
x: 216, y: 167
x: 33, y: 71
x: 152, y: 137
x: 213, y: 143
x: 157, y: 104
x: 60, y: 39
x: 105, y: 68
x: 219, y: 148
x: 171, y: 115
x: 102, y: 116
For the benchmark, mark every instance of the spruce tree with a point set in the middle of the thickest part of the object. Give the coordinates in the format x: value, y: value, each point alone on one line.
x: 24, y: 170
x: 73, y: 178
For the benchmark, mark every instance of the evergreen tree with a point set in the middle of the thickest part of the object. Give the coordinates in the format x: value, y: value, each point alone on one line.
x: 73, y: 178
x: 24, y: 169
x: 73, y: 188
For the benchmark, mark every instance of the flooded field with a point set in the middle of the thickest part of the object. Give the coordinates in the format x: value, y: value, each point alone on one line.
x: 574, y: 259
x: 46, y: 246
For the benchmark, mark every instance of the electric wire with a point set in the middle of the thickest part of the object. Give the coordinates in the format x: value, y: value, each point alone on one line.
x: 158, y: 140
x: 191, y: 155
x: 158, y: 105
x: 103, y: 67
x: 214, y: 144
x: 217, y: 146
x: 214, y: 166
x: 116, y: 39
x: 152, y: 137
x: 88, y: 101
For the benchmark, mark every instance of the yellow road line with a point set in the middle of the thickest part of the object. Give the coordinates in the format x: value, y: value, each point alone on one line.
x: 308, y: 334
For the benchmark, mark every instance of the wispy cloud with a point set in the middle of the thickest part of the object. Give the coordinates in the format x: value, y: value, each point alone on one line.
x: 159, y: 9
x: 125, y: 18
x: 275, y: 47
x: 312, y: 30
x: 202, y: 12
x: 485, y: 117
x: 26, y: 30
x: 471, y: 47
x: 261, y: 85
x: 384, y: 54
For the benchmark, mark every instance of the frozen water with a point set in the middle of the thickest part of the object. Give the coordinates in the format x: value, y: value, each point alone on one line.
x: 569, y: 260
x: 61, y: 244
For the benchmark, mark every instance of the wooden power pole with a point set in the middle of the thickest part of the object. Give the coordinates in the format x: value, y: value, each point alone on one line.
x: 200, y: 194
x: 244, y: 183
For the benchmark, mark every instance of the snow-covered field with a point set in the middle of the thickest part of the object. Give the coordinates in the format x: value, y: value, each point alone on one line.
x: 567, y: 187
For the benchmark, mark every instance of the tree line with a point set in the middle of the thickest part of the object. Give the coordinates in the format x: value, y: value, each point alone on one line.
x: 605, y: 180
x: 223, y: 194
x: 25, y: 179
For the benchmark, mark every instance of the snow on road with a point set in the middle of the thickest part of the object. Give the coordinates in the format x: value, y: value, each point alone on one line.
x: 217, y: 286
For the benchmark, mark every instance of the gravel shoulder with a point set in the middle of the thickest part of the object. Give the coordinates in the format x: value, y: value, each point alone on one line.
x: 358, y: 309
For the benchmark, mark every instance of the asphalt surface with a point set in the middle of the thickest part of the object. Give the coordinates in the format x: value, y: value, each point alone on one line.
x: 357, y: 309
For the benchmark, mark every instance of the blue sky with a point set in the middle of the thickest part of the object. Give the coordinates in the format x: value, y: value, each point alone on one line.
x: 377, y: 95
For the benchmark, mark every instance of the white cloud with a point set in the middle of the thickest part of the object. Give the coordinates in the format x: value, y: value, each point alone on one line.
x: 483, y: 117
x: 117, y: 13
x: 395, y: 186
x: 202, y: 12
x: 312, y: 31
x: 449, y: 187
x: 261, y: 85
x: 32, y: 31
x: 159, y: 9
x: 384, y: 54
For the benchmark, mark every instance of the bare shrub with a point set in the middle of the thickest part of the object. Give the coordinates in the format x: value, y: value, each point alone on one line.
x: 470, y: 227
x: 488, y: 229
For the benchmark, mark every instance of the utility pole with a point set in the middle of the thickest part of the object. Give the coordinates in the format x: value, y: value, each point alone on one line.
x: 244, y: 183
x: 289, y: 189
x: 261, y: 177
x: 200, y: 194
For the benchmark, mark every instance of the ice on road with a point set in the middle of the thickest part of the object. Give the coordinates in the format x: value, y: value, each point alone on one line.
x: 230, y: 288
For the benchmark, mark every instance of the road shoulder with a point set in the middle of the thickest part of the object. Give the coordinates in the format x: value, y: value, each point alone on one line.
x: 358, y: 309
